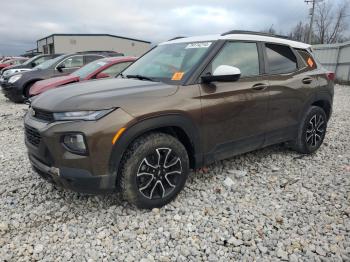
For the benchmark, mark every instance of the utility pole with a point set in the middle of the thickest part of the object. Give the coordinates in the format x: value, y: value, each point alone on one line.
x: 309, y: 39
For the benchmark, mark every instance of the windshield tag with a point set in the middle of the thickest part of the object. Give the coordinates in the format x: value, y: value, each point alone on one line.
x: 198, y: 45
x: 177, y: 76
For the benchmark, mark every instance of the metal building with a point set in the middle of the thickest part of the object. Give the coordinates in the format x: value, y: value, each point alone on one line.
x: 70, y: 43
x: 335, y: 57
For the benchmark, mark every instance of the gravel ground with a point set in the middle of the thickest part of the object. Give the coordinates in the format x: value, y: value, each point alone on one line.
x: 272, y: 204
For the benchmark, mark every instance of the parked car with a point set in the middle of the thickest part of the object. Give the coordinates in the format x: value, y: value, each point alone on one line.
x: 102, y: 68
x: 186, y: 103
x: 28, y: 64
x: 104, y: 52
x: 12, y: 61
x: 17, y: 87
x: 6, y: 58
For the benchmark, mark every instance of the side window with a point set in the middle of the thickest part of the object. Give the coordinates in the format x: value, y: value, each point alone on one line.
x: 280, y: 59
x: 90, y: 58
x: 40, y: 60
x: 114, y: 70
x: 73, y: 62
x: 307, y: 58
x: 241, y: 55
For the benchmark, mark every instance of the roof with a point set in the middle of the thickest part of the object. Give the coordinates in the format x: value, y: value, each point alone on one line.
x: 116, y: 36
x: 244, y: 37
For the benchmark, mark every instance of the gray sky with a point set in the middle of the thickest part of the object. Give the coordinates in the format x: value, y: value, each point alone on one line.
x: 22, y: 22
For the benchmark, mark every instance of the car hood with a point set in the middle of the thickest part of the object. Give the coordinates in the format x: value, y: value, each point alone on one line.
x: 44, y: 85
x: 13, y: 71
x: 101, y: 94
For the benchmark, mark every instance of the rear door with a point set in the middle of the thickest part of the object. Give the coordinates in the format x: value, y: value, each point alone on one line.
x: 290, y: 86
x: 235, y: 113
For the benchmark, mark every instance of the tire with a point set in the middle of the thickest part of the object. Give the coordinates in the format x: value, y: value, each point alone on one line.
x: 311, y: 132
x: 153, y: 170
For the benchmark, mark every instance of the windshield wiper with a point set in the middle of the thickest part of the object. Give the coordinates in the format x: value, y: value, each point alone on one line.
x: 140, y: 77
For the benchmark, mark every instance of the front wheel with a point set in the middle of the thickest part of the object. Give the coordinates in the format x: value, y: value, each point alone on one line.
x: 312, y: 131
x: 153, y: 170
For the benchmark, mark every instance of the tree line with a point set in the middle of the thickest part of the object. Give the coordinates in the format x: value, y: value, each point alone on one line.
x: 330, y: 24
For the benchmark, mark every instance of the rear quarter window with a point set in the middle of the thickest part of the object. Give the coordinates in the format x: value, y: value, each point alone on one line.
x: 308, y: 60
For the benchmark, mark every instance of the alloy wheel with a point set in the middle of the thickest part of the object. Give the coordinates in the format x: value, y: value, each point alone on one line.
x: 315, y: 130
x: 158, y: 173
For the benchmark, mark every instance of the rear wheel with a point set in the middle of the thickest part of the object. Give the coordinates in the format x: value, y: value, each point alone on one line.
x: 312, y: 131
x: 154, y: 170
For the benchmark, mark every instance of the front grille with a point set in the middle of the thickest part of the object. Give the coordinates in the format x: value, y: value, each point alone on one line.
x: 32, y: 135
x: 43, y: 115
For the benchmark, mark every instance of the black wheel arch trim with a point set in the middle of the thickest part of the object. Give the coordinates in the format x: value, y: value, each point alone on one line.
x: 143, y: 126
x: 316, y: 97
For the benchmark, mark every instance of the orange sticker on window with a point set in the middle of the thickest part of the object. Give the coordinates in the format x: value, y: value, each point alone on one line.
x: 310, y: 62
x: 178, y: 76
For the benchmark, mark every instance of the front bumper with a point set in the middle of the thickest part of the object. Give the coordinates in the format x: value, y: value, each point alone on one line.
x: 74, y: 179
x: 90, y: 173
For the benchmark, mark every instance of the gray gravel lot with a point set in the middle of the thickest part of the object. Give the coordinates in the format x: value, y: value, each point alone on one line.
x: 272, y: 204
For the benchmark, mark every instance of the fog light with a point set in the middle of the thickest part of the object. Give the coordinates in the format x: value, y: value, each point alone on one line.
x: 75, y: 143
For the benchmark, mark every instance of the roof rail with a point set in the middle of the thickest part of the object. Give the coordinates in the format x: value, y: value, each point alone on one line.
x: 177, y: 37
x: 253, y: 33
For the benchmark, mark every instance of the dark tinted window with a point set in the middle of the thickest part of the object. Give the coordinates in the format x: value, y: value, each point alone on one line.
x: 281, y: 59
x: 90, y: 58
x: 307, y: 59
x: 241, y: 55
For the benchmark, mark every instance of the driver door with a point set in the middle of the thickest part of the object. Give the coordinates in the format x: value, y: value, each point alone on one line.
x: 235, y: 112
x: 69, y: 65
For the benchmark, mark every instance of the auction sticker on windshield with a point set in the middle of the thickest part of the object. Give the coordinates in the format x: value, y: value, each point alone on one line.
x: 198, y: 45
x: 177, y: 76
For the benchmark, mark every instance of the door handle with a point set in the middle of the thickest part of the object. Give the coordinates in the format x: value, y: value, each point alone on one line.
x: 307, y: 80
x: 259, y: 86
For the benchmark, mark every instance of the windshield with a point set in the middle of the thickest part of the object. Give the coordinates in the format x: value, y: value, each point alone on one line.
x: 30, y: 60
x: 49, y: 63
x: 168, y: 62
x: 89, y: 68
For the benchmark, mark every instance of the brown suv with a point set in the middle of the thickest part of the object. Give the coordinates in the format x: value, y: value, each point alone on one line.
x: 186, y: 103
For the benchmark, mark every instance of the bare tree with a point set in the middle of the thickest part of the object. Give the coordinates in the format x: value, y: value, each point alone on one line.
x: 299, y: 32
x: 330, y: 22
x: 269, y: 30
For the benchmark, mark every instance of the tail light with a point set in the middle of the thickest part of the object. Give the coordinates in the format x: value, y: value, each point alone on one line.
x: 330, y: 76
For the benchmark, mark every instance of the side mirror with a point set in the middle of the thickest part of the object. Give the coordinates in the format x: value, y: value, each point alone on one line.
x: 101, y: 75
x: 223, y: 73
x: 60, y: 67
x: 33, y: 64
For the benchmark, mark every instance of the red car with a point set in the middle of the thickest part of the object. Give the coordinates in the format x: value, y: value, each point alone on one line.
x: 12, y: 61
x: 102, y: 68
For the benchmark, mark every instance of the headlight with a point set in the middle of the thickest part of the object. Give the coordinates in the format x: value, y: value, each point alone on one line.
x: 75, y: 143
x: 82, y: 115
x: 14, y: 78
x: 9, y: 72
